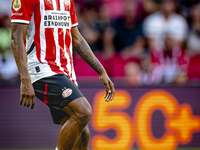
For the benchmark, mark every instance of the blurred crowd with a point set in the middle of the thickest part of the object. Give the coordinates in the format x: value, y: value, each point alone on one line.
x: 143, y: 42
x: 8, y: 69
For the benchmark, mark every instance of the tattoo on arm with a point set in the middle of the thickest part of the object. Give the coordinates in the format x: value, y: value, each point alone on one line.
x: 84, y: 50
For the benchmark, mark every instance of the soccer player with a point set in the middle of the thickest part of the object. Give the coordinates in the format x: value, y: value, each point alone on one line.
x: 43, y: 34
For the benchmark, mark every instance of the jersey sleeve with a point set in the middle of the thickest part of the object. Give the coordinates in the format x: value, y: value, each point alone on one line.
x: 73, y: 15
x: 22, y: 11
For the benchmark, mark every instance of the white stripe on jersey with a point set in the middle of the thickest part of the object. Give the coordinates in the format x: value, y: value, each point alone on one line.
x: 67, y: 55
x: 64, y: 32
x: 30, y: 33
x: 57, y: 48
x: 42, y: 33
x: 72, y: 66
x: 19, y: 21
x: 62, y: 9
x: 56, y: 40
x: 62, y: 5
x: 54, y: 5
x: 74, y: 25
x: 71, y: 52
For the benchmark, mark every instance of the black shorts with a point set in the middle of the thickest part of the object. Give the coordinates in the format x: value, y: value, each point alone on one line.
x: 56, y: 92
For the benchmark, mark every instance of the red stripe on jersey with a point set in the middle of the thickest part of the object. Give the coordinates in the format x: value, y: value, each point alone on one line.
x: 58, y: 4
x: 37, y: 20
x: 67, y: 5
x: 45, y: 94
x: 25, y: 42
x: 63, y: 59
x: 51, y: 50
x: 73, y: 81
x: 48, y: 5
x: 67, y: 43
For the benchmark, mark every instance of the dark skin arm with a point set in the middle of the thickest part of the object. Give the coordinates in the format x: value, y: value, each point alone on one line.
x: 83, y: 49
x: 80, y: 45
x: 18, y: 33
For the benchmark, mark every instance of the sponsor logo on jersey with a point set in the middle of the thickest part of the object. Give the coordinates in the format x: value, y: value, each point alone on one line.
x: 17, y: 14
x: 57, y: 19
x: 17, y: 5
x: 67, y: 92
x: 67, y: 2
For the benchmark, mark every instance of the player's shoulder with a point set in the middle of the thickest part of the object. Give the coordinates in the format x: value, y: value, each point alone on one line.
x: 17, y: 4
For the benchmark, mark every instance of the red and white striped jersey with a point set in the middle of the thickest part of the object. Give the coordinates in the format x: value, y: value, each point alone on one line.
x: 48, y: 39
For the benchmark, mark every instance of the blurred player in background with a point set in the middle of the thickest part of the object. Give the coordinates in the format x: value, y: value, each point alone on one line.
x: 49, y: 30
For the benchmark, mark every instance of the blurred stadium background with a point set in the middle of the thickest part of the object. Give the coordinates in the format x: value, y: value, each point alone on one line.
x: 150, y: 48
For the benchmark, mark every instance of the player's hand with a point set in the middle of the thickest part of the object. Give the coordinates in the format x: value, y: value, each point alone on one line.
x: 27, y: 94
x: 110, y: 90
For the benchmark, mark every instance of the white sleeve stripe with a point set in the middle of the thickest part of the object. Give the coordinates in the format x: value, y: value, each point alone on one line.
x: 19, y: 21
x: 74, y: 25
